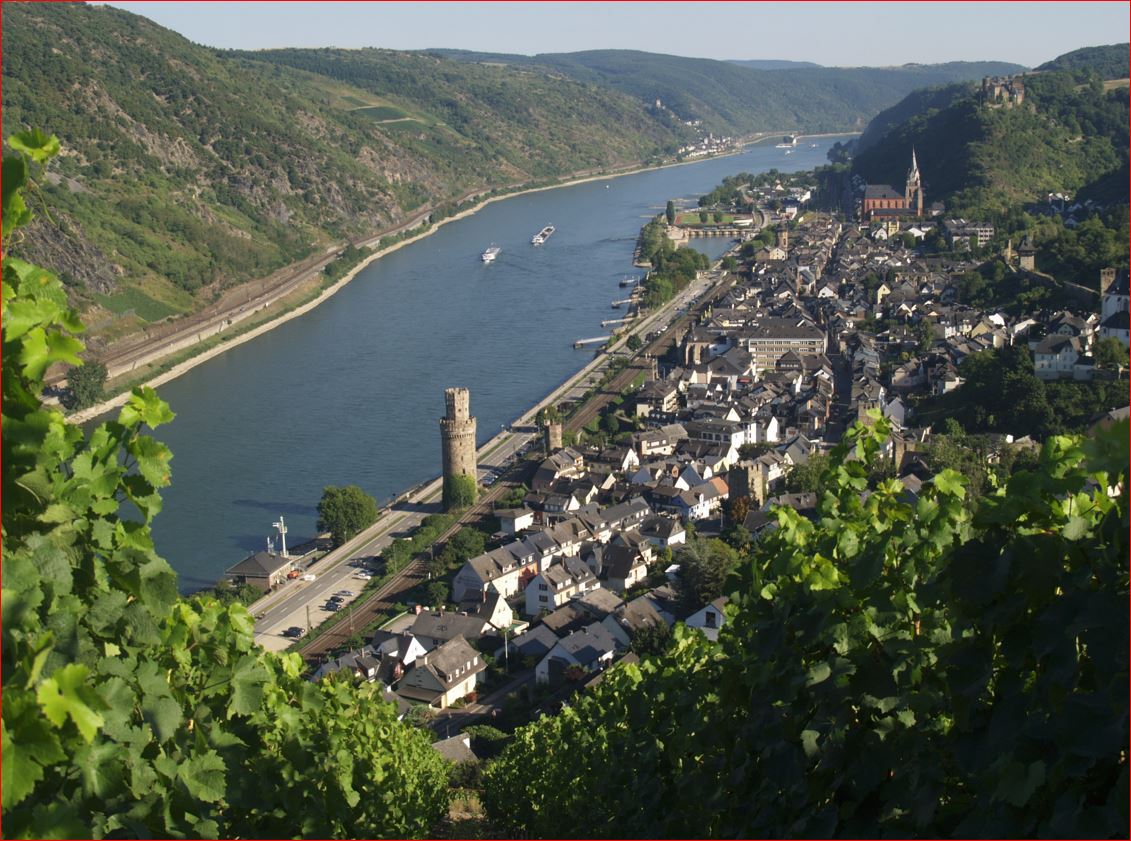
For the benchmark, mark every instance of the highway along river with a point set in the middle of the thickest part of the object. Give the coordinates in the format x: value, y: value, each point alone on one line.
x: 351, y: 393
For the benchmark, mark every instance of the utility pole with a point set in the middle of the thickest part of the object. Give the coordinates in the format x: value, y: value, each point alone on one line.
x: 308, y: 618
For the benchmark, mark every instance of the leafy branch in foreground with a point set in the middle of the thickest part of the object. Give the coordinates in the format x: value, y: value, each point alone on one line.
x: 891, y: 669
x: 129, y: 711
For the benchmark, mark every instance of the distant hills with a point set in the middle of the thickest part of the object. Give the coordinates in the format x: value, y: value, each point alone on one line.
x: 188, y: 170
x: 1069, y: 134
x: 731, y: 98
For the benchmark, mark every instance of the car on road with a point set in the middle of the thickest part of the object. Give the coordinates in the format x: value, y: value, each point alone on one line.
x: 308, y: 577
x: 364, y: 576
x: 295, y: 632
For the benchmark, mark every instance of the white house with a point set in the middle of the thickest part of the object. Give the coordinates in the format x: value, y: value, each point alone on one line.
x: 709, y: 619
x: 557, y: 584
x: 1055, y: 356
x: 443, y: 677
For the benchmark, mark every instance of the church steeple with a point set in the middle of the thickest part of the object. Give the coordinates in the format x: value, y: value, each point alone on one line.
x: 914, y: 189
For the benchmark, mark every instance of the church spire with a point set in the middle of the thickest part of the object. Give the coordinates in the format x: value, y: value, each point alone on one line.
x: 914, y: 163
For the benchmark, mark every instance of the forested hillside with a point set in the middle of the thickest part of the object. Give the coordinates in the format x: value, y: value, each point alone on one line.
x: 1069, y: 133
x: 188, y: 170
x: 734, y: 98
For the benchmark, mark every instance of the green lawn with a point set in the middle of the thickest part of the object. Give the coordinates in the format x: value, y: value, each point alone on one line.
x: 380, y: 113
x: 692, y: 218
x: 141, y: 304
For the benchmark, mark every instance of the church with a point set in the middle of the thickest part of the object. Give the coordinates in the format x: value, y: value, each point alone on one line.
x: 882, y: 201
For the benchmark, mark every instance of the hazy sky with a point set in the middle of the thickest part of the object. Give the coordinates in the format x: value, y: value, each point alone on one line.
x: 843, y: 34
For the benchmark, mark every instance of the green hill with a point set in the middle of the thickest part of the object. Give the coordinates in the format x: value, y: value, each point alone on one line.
x: 732, y: 98
x: 189, y: 170
x: 1110, y: 62
x: 978, y: 156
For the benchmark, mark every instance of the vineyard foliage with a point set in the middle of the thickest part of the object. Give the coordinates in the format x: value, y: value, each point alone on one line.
x: 127, y: 709
x: 892, y: 669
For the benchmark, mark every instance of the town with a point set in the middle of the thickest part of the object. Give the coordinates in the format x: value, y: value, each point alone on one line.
x: 626, y: 527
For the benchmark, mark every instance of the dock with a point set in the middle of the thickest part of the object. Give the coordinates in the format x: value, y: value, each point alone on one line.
x: 595, y: 340
x: 616, y: 304
x: 612, y: 321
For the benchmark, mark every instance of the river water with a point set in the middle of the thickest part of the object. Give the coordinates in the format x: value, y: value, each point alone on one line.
x: 351, y: 393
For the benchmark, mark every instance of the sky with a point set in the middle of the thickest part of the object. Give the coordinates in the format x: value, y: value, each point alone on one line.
x: 835, y: 34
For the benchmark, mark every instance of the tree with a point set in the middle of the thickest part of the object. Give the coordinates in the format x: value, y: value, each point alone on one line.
x: 807, y: 477
x: 634, y: 343
x: 1110, y: 353
x: 438, y: 592
x: 890, y: 669
x: 651, y: 639
x: 129, y: 710
x: 730, y: 264
x: 703, y: 568
x: 669, y: 212
x: 345, y: 511
x: 704, y: 216
x: 718, y: 217
x: 85, y: 384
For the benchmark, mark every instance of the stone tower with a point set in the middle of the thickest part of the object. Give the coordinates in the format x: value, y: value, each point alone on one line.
x: 783, y: 238
x: 457, y: 436
x: 913, y: 192
x: 553, y: 437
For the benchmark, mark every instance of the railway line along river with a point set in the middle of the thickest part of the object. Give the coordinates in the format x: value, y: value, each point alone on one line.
x: 352, y: 392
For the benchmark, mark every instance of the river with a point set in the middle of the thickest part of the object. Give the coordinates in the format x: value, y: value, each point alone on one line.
x: 352, y: 392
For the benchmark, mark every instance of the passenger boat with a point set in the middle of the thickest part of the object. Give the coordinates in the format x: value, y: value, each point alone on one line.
x: 491, y: 253
x: 542, y: 235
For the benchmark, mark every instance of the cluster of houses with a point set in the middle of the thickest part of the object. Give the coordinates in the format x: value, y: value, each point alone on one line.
x: 834, y: 321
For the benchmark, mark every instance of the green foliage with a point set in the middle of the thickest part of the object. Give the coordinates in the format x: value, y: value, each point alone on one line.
x: 128, y: 710
x: 1110, y: 353
x: 888, y: 670
x: 703, y: 568
x: 982, y: 160
x: 669, y: 212
x: 398, y: 554
x: 651, y: 639
x: 459, y: 492
x: 84, y: 385
x: 808, y: 477
x: 1107, y: 62
x: 345, y: 511
x: 349, y: 257
x: 438, y: 593
x: 634, y: 343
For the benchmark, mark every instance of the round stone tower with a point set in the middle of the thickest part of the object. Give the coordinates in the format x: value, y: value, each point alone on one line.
x: 553, y: 437
x: 457, y: 436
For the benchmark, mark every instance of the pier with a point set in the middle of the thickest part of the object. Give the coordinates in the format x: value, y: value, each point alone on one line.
x: 612, y: 321
x: 616, y: 304
x: 594, y: 341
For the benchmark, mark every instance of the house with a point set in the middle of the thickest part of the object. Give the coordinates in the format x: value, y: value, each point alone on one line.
x: 264, y: 570
x: 363, y: 664
x: 434, y: 628
x: 628, y: 620
x: 622, y: 567
x: 709, y: 619
x: 1055, y: 356
x: 535, y: 642
x: 514, y: 520
x: 444, y: 676
x: 663, y: 531
x: 589, y: 650
x: 557, y: 584
x: 397, y: 652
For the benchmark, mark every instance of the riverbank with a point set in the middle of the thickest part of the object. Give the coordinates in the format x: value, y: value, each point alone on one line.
x: 223, y: 340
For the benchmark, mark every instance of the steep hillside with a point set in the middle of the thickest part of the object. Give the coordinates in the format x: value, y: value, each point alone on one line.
x: 188, y: 170
x: 735, y: 99
x: 1110, y: 61
x: 919, y: 102
x: 979, y: 155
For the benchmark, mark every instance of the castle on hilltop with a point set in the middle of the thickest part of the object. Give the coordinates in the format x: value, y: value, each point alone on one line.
x: 1003, y: 91
x: 882, y: 201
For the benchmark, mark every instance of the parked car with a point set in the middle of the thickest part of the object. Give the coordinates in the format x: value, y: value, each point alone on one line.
x: 294, y: 631
x: 332, y: 606
x: 346, y: 593
x: 336, y: 599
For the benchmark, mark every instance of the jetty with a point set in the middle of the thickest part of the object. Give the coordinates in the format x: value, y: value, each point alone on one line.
x: 594, y: 341
x: 617, y: 304
x: 612, y: 321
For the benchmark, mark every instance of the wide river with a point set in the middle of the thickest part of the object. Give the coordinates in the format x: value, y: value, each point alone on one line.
x: 352, y: 392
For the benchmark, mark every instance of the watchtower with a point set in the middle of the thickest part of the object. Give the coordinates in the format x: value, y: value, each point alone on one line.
x: 457, y: 437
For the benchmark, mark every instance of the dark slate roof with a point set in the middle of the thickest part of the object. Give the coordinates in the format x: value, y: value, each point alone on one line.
x: 588, y: 644
x: 881, y: 191
x: 260, y: 565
